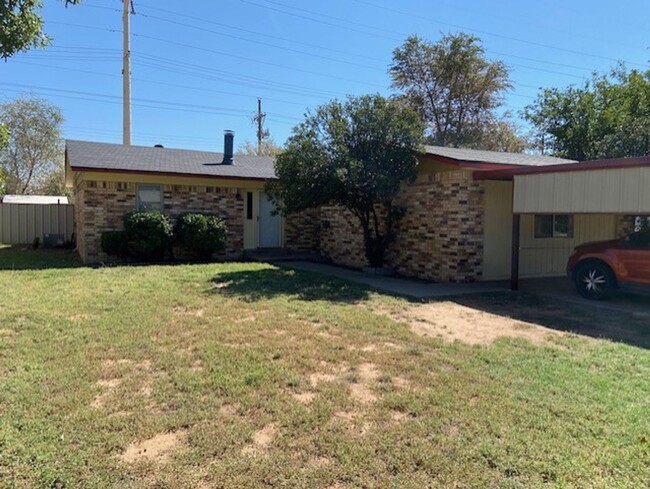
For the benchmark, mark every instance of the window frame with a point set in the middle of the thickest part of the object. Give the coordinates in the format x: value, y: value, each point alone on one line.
x: 554, y: 233
x: 147, y: 186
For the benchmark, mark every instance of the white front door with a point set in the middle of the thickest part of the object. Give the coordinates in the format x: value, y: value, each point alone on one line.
x: 269, y: 224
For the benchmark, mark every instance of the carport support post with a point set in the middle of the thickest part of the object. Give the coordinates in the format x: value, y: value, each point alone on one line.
x: 514, y: 265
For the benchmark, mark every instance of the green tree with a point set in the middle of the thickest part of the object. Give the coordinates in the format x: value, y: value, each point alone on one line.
x: 21, y: 26
x: 456, y: 90
x: 607, y: 117
x: 355, y: 154
x: 34, y: 151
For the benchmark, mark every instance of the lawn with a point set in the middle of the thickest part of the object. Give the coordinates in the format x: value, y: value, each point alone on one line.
x: 246, y: 375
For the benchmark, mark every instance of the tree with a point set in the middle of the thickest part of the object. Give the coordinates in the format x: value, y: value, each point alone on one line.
x: 21, y: 26
x: 455, y: 89
x: 607, y: 117
x: 34, y: 151
x: 355, y: 154
x: 269, y: 148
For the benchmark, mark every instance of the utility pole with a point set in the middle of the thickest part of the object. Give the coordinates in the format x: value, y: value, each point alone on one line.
x: 259, y: 120
x: 126, y: 72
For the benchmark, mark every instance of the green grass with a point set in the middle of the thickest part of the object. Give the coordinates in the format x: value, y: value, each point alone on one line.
x: 93, y: 360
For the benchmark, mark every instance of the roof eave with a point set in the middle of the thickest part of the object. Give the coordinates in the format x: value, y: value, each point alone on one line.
x: 169, y: 174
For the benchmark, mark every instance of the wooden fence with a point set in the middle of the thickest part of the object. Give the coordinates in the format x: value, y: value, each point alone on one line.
x: 21, y: 223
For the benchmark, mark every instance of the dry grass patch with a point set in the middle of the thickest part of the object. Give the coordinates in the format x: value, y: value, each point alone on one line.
x: 454, y: 322
x: 156, y: 449
x: 262, y: 438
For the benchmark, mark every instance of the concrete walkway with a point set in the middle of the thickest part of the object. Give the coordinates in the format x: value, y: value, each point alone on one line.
x: 393, y: 285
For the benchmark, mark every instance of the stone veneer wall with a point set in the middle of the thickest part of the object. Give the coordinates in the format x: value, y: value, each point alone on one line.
x: 439, y: 238
x: 100, y: 207
x: 302, y: 231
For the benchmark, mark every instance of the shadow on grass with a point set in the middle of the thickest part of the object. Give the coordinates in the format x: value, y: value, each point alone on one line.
x: 18, y: 257
x: 253, y: 285
x: 632, y: 328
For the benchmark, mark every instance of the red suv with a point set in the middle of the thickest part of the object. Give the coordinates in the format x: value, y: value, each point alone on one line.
x: 599, y: 268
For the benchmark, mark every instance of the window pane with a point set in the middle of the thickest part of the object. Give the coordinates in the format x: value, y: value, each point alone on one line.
x: 149, y: 198
x: 563, y: 227
x: 249, y: 205
x: 543, y: 226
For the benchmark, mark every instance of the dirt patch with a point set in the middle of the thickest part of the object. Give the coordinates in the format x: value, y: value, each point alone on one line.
x: 451, y: 322
x: 7, y: 332
x: 184, y: 311
x: 248, y: 319
x: 157, y: 449
x: 227, y: 410
x: 261, y: 440
x: 317, y: 378
x: 361, y: 390
x: 398, y: 417
x: 108, y: 385
x: 304, y: 397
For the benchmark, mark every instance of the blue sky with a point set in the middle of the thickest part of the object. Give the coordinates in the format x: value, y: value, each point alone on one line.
x: 199, y: 66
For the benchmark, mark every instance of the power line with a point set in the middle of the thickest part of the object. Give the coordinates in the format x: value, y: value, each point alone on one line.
x: 285, y: 67
x: 156, y: 82
x: 212, y: 31
x: 261, y: 34
x: 509, y: 38
x: 150, y: 103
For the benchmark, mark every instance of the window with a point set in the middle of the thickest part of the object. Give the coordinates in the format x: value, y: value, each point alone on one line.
x: 149, y: 198
x: 553, y: 226
x: 249, y: 206
x: 640, y: 240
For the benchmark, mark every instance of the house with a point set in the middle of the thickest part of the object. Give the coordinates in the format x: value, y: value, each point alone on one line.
x: 458, y: 226
x: 110, y: 180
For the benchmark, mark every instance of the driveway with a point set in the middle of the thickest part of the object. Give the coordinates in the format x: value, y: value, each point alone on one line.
x: 557, y: 288
x: 561, y: 288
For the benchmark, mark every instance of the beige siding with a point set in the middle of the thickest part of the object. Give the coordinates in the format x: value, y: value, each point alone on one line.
x: 21, y: 223
x: 543, y: 257
x: 497, y: 246
x: 613, y: 191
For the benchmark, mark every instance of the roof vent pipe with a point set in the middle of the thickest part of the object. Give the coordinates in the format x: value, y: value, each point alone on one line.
x: 228, y: 144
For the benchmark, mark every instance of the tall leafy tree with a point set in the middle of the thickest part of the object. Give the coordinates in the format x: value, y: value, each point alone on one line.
x: 355, y: 154
x: 34, y: 150
x: 456, y: 90
x: 607, y: 117
x: 21, y: 26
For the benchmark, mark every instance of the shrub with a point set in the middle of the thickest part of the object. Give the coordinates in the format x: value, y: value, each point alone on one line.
x: 114, y: 243
x: 201, y: 234
x: 148, y: 235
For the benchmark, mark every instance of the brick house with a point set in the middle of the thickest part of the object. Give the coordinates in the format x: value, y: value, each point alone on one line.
x: 457, y: 225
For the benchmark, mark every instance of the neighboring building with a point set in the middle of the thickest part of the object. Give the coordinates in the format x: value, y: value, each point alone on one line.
x: 458, y: 224
x: 35, y: 199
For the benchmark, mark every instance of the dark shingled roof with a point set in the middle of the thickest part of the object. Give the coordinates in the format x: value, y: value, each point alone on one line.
x: 496, y: 157
x: 91, y: 156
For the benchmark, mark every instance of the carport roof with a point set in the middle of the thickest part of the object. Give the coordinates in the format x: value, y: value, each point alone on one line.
x: 578, y: 166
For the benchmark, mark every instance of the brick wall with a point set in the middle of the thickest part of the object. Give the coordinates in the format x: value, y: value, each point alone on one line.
x: 100, y: 207
x: 302, y: 231
x: 439, y: 238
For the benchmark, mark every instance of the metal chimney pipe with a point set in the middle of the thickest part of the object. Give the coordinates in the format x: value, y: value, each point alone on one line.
x: 228, y: 147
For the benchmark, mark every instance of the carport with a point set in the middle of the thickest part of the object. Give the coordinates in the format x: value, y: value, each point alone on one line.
x: 594, y: 192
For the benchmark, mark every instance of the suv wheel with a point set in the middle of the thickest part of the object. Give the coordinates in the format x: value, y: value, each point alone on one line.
x: 594, y: 281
